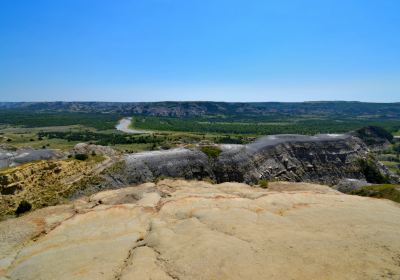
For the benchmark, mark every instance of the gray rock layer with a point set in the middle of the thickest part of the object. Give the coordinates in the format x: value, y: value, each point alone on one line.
x: 322, y: 159
x: 10, y: 158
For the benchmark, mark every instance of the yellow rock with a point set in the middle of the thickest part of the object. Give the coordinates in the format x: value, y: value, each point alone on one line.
x: 196, y: 230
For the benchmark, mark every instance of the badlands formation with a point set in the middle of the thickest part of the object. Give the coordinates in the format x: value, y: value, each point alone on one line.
x: 179, y: 229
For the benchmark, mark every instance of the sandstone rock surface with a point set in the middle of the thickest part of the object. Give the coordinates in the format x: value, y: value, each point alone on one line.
x: 196, y: 230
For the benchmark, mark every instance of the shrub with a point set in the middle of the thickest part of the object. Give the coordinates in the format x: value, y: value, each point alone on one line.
x: 211, y: 151
x: 209, y: 180
x: 24, y: 206
x: 387, y: 191
x: 81, y: 156
x: 166, y: 146
x: 263, y: 183
x: 373, y: 135
x: 3, y: 180
x: 371, y: 172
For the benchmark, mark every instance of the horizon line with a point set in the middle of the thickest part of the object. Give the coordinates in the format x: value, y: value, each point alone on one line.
x: 199, y: 101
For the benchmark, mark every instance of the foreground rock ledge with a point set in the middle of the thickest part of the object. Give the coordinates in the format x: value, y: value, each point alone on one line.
x: 196, y: 230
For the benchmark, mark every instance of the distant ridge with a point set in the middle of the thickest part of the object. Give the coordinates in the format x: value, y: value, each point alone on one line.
x: 203, y: 108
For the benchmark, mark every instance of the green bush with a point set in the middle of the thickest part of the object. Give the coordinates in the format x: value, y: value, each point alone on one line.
x: 24, y: 206
x: 263, y: 183
x: 371, y: 172
x: 211, y: 151
x: 387, y: 191
x: 3, y: 180
x: 81, y: 156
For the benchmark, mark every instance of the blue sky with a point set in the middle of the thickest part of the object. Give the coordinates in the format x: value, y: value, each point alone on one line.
x: 151, y: 50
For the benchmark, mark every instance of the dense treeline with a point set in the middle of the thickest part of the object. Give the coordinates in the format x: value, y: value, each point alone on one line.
x: 243, y: 126
x: 249, y: 119
x: 33, y: 119
x: 117, y: 138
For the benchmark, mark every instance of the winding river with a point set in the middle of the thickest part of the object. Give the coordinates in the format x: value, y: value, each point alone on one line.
x: 124, y: 126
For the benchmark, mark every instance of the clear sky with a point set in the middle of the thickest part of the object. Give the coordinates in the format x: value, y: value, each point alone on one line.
x: 222, y: 50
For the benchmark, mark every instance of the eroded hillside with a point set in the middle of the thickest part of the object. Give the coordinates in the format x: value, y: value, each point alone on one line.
x: 49, y: 182
x: 325, y: 159
x: 322, y: 159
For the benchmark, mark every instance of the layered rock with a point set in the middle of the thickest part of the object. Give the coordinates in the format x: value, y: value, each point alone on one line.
x: 326, y: 159
x: 375, y: 137
x: 196, y: 230
x: 349, y: 185
x: 13, y: 157
x: 323, y: 159
x: 44, y: 183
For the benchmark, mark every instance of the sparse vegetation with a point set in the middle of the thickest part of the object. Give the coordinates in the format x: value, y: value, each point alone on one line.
x: 211, y: 151
x: 23, y: 207
x: 371, y: 171
x: 387, y: 191
x: 81, y: 157
x: 263, y: 183
x: 47, y: 182
x: 373, y: 135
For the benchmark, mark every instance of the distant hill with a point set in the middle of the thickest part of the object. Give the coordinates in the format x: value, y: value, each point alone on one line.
x: 207, y: 108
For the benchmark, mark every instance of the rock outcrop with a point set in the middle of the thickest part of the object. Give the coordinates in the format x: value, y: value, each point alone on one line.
x: 91, y: 149
x: 196, y: 230
x: 321, y: 159
x: 375, y: 137
x: 13, y: 157
x: 349, y: 185
x: 47, y: 182
x: 326, y: 159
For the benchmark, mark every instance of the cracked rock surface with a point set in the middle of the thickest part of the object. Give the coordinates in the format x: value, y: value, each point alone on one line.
x: 179, y: 229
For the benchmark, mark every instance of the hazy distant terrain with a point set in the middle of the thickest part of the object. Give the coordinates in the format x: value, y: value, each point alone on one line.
x: 208, y: 117
x: 200, y: 108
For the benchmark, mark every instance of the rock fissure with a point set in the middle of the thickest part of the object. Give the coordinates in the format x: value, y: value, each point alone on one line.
x: 207, y: 238
x: 128, y: 259
x: 220, y: 231
x: 163, y: 264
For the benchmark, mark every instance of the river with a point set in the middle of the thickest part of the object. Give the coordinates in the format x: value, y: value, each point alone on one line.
x: 124, y: 126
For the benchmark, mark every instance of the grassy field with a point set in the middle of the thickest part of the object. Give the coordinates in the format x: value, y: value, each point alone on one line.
x: 20, y: 140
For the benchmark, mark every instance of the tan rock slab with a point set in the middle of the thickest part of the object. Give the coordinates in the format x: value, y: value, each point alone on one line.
x: 195, y: 230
